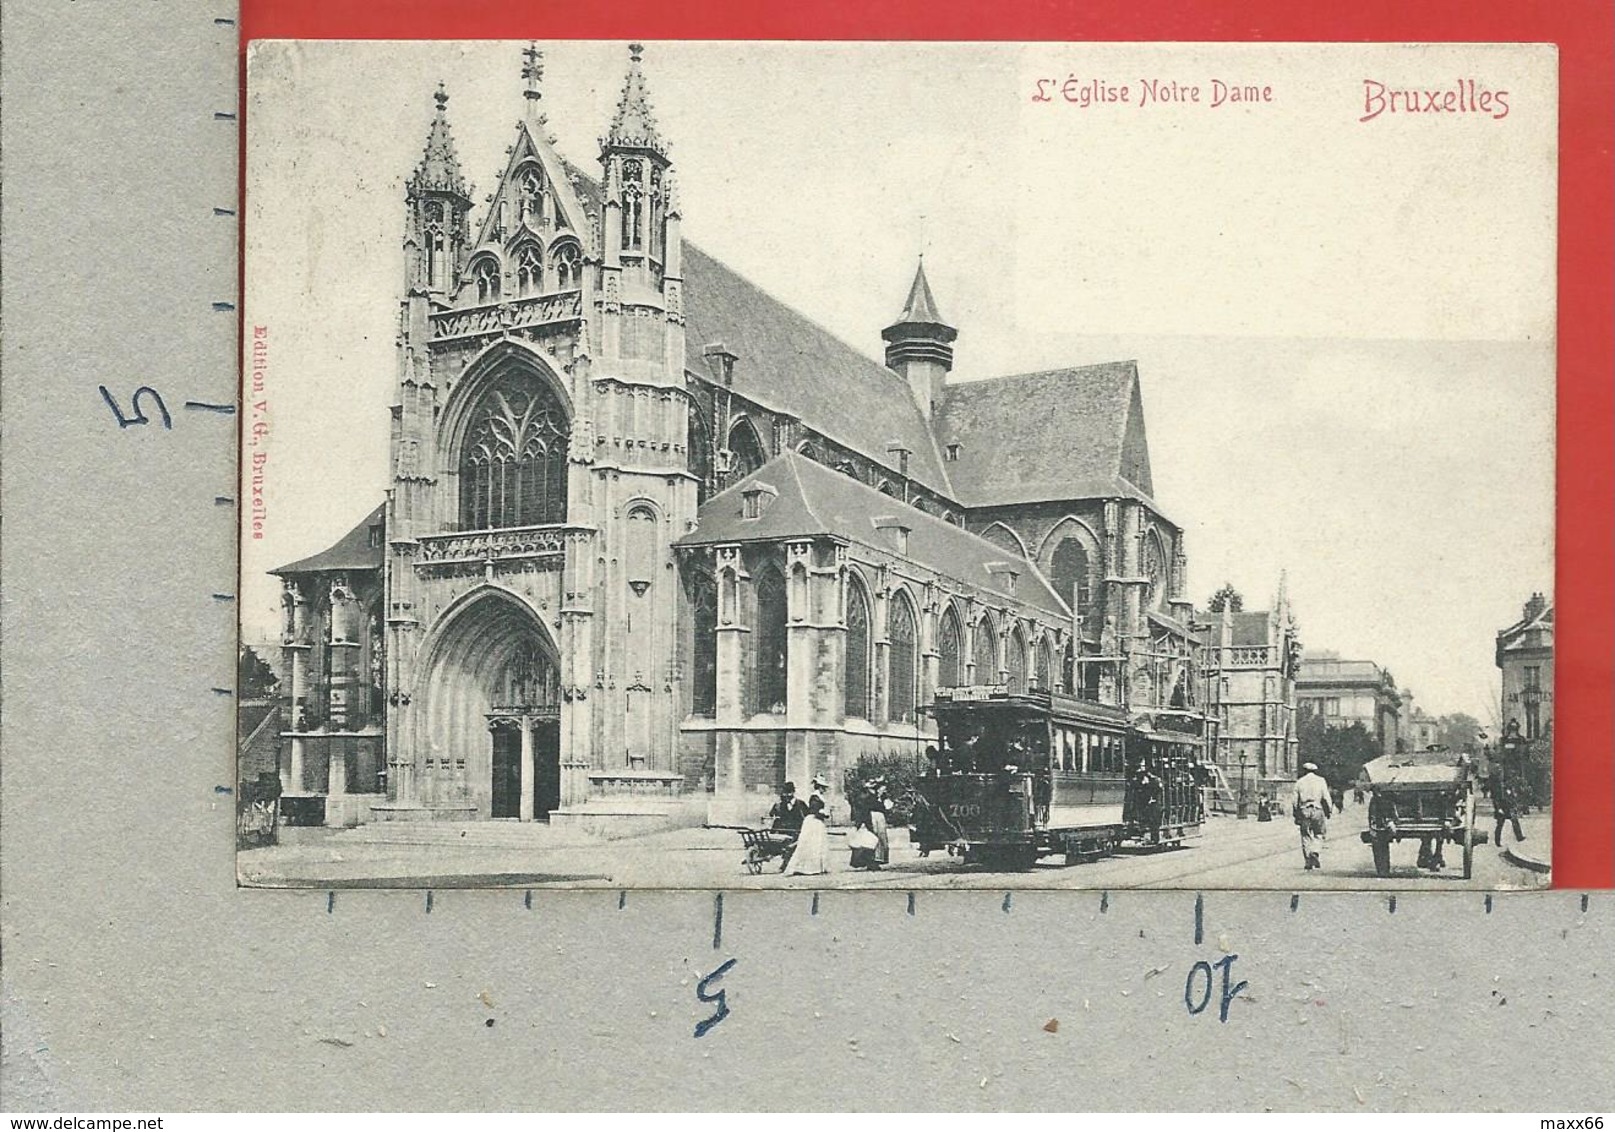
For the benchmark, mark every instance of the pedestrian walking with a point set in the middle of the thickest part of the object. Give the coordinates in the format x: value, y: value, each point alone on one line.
x: 1312, y: 809
x: 811, y: 857
x: 1505, y: 807
x: 787, y: 813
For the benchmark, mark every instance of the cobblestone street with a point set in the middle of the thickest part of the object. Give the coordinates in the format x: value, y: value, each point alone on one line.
x: 1230, y: 854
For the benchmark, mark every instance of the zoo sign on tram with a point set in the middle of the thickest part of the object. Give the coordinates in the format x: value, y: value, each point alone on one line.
x: 1019, y: 776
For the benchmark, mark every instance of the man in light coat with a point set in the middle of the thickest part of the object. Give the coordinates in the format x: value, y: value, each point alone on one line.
x: 1312, y: 809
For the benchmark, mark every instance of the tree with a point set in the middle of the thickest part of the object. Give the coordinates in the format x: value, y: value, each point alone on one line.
x: 1458, y: 732
x: 1340, y: 752
x: 255, y: 680
x: 1226, y: 598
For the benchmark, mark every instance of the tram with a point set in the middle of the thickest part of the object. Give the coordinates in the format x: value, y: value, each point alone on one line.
x: 1019, y: 776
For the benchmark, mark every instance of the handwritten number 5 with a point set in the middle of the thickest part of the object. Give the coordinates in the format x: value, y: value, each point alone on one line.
x: 137, y: 415
x: 705, y: 994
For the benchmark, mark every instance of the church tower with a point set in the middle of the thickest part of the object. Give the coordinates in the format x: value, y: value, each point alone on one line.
x: 919, y: 345
x: 438, y: 227
x: 645, y: 496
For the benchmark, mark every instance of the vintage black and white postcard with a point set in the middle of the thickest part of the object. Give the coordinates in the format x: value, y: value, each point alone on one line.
x: 912, y: 465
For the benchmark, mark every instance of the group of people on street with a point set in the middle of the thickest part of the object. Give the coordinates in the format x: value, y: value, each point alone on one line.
x: 871, y: 807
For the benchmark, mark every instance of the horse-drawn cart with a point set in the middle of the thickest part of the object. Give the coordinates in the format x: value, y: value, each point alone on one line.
x: 1432, y: 799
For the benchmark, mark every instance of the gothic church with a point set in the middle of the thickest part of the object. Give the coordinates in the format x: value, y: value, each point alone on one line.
x: 654, y: 542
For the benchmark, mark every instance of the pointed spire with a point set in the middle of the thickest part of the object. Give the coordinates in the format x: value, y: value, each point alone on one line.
x: 532, y: 75
x: 921, y: 306
x: 634, y: 126
x: 440, y: 165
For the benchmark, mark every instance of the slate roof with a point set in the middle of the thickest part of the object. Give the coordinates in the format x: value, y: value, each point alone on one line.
x: 1250, y: 628
x: 1060, y: 434
x: 350, y: 552
x: 788, y: 363
x: 814, y: 501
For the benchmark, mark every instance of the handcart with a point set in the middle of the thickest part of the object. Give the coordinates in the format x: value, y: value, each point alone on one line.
x: 764, y: 845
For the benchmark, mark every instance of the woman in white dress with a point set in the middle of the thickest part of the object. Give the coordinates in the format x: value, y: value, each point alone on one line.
x: 812, y: 855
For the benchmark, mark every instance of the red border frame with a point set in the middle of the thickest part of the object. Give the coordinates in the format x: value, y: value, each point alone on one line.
x: 1584, y: 773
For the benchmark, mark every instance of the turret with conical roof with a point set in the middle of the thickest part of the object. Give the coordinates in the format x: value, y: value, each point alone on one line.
x: 439, y: 203
x: 919, y: 345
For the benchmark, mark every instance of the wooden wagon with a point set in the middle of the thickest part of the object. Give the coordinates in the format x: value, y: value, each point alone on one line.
x: 1431, y: 801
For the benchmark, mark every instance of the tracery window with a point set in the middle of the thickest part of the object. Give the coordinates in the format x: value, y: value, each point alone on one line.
x: 986, y: 652
x: 768, y: 686
x: 1015, y: 662
x: 513, y: 464
x: 1045, y: 661
x: 532, y: 197
x: 529, y: 271
x: 745, y: 453
x: 568, y: 267
x: 855, y: 695
x: 1154, y: 568
x: 434, y: 244
x: 950, y: 667
x: 486, y: 274
x: 901, y: 634
x: 704, y: 647
x: 1071, y: 576
x: 633, y: 206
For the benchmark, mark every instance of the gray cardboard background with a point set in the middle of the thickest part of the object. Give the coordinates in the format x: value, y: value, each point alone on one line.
x: 137, y: 977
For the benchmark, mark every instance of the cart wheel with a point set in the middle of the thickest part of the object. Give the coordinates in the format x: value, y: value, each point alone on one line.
x: 753, y: 862
x: 1382, y: 857
x: 1469, y: 835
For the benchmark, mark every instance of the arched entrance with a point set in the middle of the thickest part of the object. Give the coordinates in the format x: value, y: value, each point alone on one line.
x: 492, y: 712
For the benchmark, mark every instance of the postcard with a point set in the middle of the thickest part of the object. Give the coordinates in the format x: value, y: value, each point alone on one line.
x: 898, y: 465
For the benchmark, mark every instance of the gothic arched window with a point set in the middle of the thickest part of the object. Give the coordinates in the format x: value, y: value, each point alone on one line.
x: 699, y: 454
x: 986, y: 652
x: 1015, y: 661
x: 513, y: 463
x: 486, y: 273
x: 902, y: 672
x: 1045, y: 661
x: 568, y: 267
x: 529, y: 271
x: 1153, y: 567
x: 746, y: 453
x: 950, y: 649
x: 1071, y: 577
x: 633, y: 206
x: 704, y: 647
x: 434, y: 245
x: 532, y: 197
x: 768, y: 685
x: 855, y: 694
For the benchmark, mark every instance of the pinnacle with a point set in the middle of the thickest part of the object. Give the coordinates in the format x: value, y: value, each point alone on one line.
x: 440, y: 165
x: 634, y: 124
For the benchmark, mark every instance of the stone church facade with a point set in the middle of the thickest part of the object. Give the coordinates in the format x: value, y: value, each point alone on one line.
x: 654, y: 542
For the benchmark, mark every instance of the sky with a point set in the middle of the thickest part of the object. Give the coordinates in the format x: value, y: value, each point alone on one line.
x: 1344, y: 328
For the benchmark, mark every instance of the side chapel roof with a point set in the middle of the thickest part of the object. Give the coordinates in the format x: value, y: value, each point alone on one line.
x: 815, y: 501
x: 355, y: 550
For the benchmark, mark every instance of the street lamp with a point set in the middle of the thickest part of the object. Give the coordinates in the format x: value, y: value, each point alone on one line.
x: 1244, y: 785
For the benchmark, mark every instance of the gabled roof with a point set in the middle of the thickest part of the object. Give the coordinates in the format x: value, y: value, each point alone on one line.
x: 351, y: 552
x: 1251, y: 628
x: 788, y: 363
x: 816, y: 501
x: 1060, y: 434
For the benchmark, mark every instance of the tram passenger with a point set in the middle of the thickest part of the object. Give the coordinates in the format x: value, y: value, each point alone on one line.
x: 1311, y: 810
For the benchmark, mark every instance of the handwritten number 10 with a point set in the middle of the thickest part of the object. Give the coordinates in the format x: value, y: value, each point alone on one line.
x: 1197, y: 996
x: 137, y: 415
